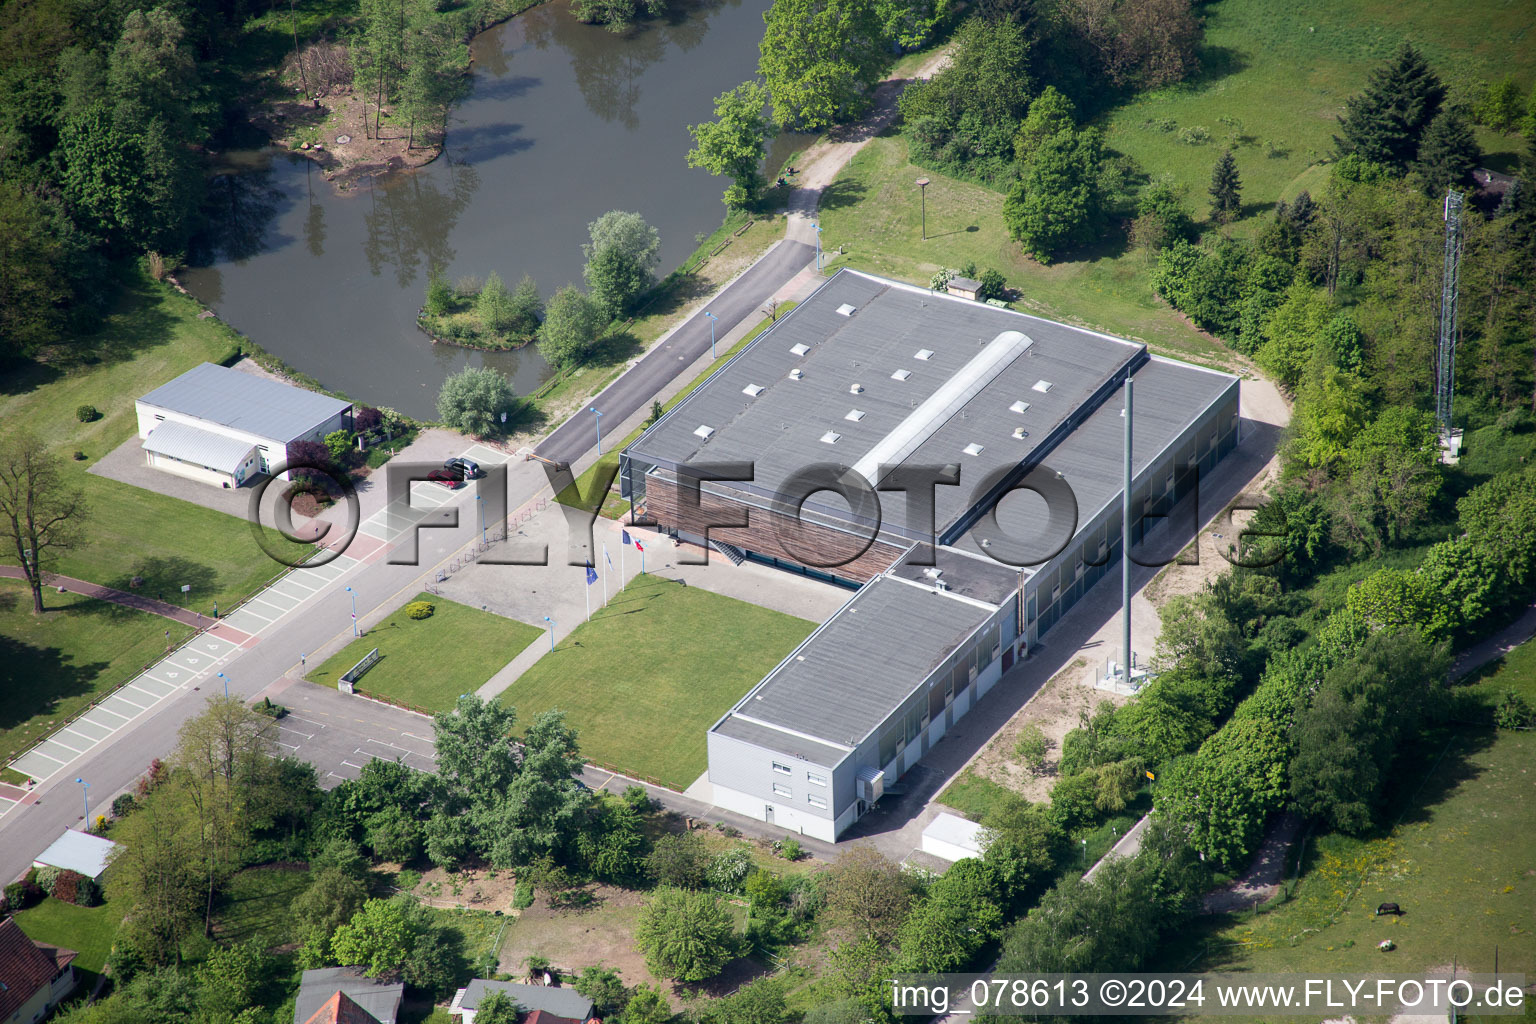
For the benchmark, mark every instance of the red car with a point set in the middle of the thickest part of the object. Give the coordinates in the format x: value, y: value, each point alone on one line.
x: 447, y: 477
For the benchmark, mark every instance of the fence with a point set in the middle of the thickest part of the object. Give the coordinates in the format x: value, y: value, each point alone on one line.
x: 356, y: 672
x: 480, y: 547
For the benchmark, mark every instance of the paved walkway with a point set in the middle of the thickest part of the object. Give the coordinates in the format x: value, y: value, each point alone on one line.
x: 137, y: 602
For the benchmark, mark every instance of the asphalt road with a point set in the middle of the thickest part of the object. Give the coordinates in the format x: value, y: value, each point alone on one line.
x: 631, y: 392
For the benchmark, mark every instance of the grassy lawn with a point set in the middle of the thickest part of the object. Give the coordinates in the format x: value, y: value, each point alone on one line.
x: 653, y: 670
x: 255, y: 905
x: 976, y: 796
x: 613, y: 505
x: 153, y: 335
x: 75, y: 652
x: 86, y: 930
x: 1275, y: 74
x: 430, y: 662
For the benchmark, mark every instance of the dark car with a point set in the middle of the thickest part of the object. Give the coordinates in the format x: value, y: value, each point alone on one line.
x: 447, y: 477
x: 469, y: 467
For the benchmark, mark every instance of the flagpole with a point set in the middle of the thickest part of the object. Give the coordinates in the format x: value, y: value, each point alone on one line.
x: 586, y: 590
x: 609, y: 565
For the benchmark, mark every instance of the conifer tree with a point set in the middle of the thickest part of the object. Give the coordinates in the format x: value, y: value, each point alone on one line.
x: 1226, y: 190
x: 1448, y: 153
x: 1384, y: 123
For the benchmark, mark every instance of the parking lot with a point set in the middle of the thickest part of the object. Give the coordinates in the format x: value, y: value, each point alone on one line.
x: 339, y: 733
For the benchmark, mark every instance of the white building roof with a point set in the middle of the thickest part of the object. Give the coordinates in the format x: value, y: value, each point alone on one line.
x: 953, y: 830
x: 244, y: 401
x: 79, y: 851
x: 187, y: 443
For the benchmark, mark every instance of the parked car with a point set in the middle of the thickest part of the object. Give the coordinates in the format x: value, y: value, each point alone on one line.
x: 447, y: 477
x: 469, y: 467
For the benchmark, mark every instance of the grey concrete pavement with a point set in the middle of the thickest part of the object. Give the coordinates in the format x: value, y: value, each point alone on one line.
x: 339, y: 734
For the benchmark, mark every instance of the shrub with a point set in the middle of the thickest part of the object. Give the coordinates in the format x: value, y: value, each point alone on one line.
x: 87, y: 892
x: 638, y: 799
x: 87, y: 414
x: 420, y: 609
x: 407, y: 879
x: 790, y: 849
x: 993, y: 285
x: 66, y: 886
x: 79, y: 455
x: 271, y: 710
x: 16, y: 895
x: 1513, y: 712
x: 439, y: 295
x: 48, y: 877
x: 729, y: 870
x: 522, y: 895
x: 1032, y: 746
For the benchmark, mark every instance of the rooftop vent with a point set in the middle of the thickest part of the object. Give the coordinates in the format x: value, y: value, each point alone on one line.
x: 933, y: 572
x: 974, y: 449
x: 925, y: 354
x: 901, y: 375
x: 855, y: 388
x: 1043, y: 386
x: 831, y: 437
x: 1020, y: 433
x: 705, y: 431
x: 752, y: 389
x: 846, y: 310
x: 1019, y: 407
x: 796, y: 373
x: 799, y: 349
x: 855, y: 415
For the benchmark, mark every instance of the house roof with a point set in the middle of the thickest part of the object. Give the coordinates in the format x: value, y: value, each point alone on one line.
x: 79, y: 851
x: 341, y: 1009
x: 25, y: 967
x: 244, y: 401
x: 956, y: 831
x: 545, y: 1017
x: 966, y: 284
x: 316, y: 988
x: 563, y: 1002
x: 187, y: 443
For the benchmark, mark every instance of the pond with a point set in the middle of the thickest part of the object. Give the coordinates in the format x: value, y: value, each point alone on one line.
x: 563, y: 122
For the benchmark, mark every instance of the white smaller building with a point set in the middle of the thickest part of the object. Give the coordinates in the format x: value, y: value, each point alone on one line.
x: 953, y: 838
x: 224, y: 427
x: 80, y: 852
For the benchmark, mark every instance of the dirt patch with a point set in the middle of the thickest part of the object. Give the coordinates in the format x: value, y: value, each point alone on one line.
x: 1055, y: 710
x: 602, y: 933
x: 470, y: 889
x: 316, y: 128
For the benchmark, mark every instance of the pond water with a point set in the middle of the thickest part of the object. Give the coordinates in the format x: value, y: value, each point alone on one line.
x: 563, y: 122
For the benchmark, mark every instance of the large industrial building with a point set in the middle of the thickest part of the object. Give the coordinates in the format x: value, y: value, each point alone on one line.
x: 882, y: 388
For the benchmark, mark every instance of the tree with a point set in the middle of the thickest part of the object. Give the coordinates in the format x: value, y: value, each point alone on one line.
x: 42, y: 512
x: 685, y: 936
x: 229, y: 978
x: 1501, y: 105
x: 333, y: 896
x: 1393, y: 468
x: 34, y: 291
x: 494, y: 305
x: 760, y: 1001
x: 868, y: 892
x: 621, y: 260
x: 1049, y: 114
x: 959, y: 915
x: 475, y: 757
x: 339, y: 445
x: 1161, y: 219
x: 1384, y: 123
x: 394, y: 835
x: 820, y: 59
x: 1223, y: 793
x: 1056, y: 203
x: 646, y: 1006
x: 1448, y: 152
x: 1141, y: 43
x: 156, y: 871
x: 1356, y: 724
x: 1226, y: 190
x: 439, y: 296
x: 678, y: 861
x: 378, y: 938
x: 604, y: 987
x: 527, y: 309
x: 499, y: 1008
x: 734, y: 143
x: 474, y: 400
x: 571, y: 325
x: 617, y: 15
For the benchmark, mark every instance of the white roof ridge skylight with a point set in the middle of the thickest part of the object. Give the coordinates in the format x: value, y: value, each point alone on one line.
x: 705, y: 431
x: 831, y: 437
x: 753, y: 389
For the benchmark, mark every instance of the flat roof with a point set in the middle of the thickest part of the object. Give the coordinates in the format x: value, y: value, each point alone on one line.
x: 843, y: 681
x: 1170, y: 395
x: 956, y: 831
x: 961, y: 572
x: 244, y: 401
x: 889, y: 373
x: 79, y: 851
x: 186, y: 443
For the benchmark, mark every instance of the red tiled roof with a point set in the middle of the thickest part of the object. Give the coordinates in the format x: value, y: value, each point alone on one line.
x: 24, y: 967
x: 545, y: 1017
x: 339, y: 1009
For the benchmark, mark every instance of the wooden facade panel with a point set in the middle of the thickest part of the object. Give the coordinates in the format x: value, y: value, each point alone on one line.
x: 770, y: 533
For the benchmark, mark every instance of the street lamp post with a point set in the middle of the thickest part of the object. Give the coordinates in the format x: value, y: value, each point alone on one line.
x: 480, y: 505
x: 922, y: 187
x: 226, y: 683
x: 599, y: 422
x: 712, y: 319
x: 85, y: 795
x: 1085, y: 852
x: 353, y: 594
x: 551, y: 632
x: 817, y: 226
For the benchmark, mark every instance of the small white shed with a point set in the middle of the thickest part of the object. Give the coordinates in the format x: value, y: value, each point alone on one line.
x: 952, y: 837
x: 80, y: 852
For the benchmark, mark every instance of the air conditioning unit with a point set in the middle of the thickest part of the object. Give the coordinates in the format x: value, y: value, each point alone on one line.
x: 871, y: 784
